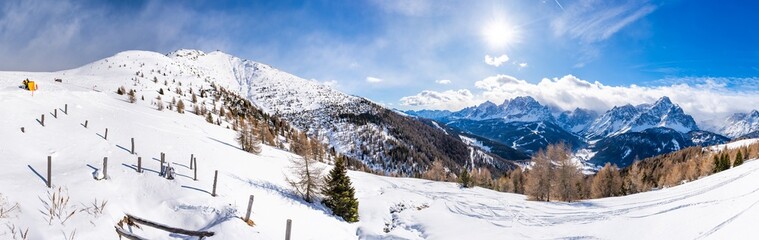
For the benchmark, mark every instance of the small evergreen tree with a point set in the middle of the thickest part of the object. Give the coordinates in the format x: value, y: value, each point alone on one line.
x: 738, y: 159
x: 160, y: 91
x: 121, y: 90
x: 465, y: 179
x: 339, y: 194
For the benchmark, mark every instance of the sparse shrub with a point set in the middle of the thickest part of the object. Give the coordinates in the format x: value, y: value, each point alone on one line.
x: 57, y: 206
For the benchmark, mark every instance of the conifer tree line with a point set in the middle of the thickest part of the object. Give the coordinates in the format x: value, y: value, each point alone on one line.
x: 554, y: 177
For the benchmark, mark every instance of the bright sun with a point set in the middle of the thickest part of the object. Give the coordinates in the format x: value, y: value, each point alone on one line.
x: 499, y: 34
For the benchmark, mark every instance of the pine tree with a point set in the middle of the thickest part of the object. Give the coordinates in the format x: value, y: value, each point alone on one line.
x: 339, y: 194
x: 465, y: 179
x: 726, y: 162
x: 738, y: 159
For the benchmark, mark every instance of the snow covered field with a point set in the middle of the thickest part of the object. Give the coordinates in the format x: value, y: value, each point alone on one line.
x: 721, y: 206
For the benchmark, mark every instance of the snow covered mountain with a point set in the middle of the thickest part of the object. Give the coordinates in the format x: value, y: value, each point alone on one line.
x: 618, y: 120
x: 740, y: 124
x: 384, y: 140
x: 519, y: 109
x: 577, y: 120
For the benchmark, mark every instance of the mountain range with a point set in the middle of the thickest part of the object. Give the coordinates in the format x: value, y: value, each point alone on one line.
x: 619, y: 135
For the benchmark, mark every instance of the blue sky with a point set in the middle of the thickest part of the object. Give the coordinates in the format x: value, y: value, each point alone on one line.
x: 412, y: 54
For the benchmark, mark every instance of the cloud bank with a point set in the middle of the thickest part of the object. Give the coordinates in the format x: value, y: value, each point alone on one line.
x: 706, y: 101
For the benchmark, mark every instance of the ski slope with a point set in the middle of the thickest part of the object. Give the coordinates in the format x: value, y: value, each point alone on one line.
x: 721, y: 206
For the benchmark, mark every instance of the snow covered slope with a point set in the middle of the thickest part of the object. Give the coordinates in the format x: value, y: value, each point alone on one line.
x: 721, y: 206
x: 381, y: 138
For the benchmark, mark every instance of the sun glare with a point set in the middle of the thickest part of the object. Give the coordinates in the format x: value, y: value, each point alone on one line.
x: 500, y: 34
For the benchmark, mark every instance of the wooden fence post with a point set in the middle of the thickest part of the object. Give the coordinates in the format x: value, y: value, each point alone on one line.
x: 66, y: 109
x: 288, y: 228
x: 132, y: 146
x: 192, y: 156
x: 55, y: 113
x: 85, y: 123
x: 139, y: 164
x: 105, y: 168
x: 162, y: 159
x: 195, y: 176
x: 215, y: 177
x: 49, y: 172
x: 42, y: 120
x: 250, y: 206
x: 106, y: 134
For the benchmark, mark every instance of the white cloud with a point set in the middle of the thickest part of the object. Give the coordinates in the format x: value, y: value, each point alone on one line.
x: 522, y: 65
x: 451, y: 99
x: 706, y: 101
x: 373, y: 80
x: 443, y: 81
x: 593, y: 21
x: 496, y: 61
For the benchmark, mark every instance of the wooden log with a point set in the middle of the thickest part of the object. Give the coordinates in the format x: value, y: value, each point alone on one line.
x: 215, y: 177
x: 170, y: 229
x: 126, y: 234
x: 49, y: 172
x: 288, y: 229
x: 132, y: 146
x: 139, y: 164
x: 105, y: 168
x: 250, y: 207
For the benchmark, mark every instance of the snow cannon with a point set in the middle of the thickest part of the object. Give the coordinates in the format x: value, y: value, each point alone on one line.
x: 29, y: 85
